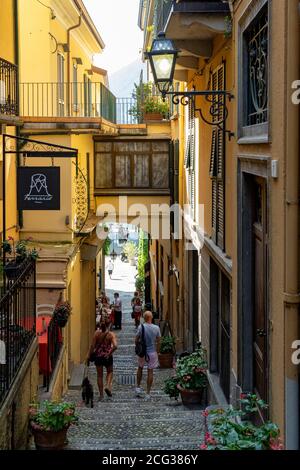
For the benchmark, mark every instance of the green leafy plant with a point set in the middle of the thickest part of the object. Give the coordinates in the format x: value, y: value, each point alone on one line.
x: 19, y: 250
x: 227, y: 429
x: 143, y: 255
x: 6, y: 247
x: 167, y: 344
x: 106, y: 246
x: 190, y: 372
x: 170, y: 387
x: 62, y: 312
x: 130, y: 250
x: 52, y: 416
x: 146, y: 101
x: 228, y: 26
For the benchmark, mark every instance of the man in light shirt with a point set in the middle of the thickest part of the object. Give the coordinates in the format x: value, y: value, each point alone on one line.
x: 152, y: 339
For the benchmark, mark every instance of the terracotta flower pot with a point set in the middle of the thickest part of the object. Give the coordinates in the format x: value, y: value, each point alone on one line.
x: 166, y: 360
x: 153, y: 117
x: 49, y: 440
x: 190, y: 397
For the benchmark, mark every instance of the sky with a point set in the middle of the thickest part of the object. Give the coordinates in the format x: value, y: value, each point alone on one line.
x: 116, y: 20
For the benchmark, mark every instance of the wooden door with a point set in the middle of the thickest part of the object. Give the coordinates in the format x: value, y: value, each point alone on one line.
x: 260, y: 350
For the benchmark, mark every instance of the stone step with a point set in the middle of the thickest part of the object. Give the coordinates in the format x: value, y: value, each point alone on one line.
x: 77, y: 375
x: 137, y: 429
x: 162, y: 443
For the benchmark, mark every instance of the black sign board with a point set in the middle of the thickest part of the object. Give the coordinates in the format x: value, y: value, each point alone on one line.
x: 39, y: 188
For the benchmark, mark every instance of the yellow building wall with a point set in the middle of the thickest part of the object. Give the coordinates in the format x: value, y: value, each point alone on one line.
x: 74, y: 292
x: 7, y: 43
x: 10, y: 192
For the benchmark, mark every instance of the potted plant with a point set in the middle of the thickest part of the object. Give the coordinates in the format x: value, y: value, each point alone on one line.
x: 228, y: 428
x: 166, y: 352
x: 17, y: 254
x: 49, y: 423
x: 155, y: 109
x: 61, y: 313
x: 191, y: 377
x: 148, y: 106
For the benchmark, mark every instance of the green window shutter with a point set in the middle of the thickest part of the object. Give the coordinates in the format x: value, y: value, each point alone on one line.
x: 217, y: 161
x: 187, y: 157
x: 214, y: 201
x: 213, y: 155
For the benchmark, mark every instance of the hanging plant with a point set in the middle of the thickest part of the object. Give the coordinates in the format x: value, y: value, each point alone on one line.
x: 61, y: 313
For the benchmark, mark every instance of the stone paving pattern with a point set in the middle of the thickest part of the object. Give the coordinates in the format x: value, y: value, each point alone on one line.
x: 125, y: 422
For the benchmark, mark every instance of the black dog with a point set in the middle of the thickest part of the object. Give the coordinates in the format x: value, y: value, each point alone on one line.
x: 87, y: 392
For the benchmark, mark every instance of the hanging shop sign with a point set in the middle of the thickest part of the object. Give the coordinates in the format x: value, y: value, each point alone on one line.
x: 39, y: 188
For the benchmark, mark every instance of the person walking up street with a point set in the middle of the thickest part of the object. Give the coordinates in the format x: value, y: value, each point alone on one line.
x: 103, y: 346
x: 137, y: 311
x: 110, y: 268
x: 152, y: 340
x: 117, y: 307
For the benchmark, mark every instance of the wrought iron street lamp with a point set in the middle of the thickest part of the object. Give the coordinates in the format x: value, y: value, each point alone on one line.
x: 162, y: 58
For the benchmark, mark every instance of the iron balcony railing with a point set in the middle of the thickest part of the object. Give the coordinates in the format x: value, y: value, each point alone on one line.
x: 55, y: 343
x: 9, y: 101
x: 138, y: 111
x: 17, y: 322
x: 74, y: 99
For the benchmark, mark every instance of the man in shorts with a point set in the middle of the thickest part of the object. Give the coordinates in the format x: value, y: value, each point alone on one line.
x: 152, y: 339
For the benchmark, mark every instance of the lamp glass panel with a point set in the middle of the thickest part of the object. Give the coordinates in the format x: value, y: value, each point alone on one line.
x: 163, y: 65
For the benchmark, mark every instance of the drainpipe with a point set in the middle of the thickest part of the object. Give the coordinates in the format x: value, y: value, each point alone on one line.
x: 17, y: 63
x: 69, y: 59
x: 291, y: 293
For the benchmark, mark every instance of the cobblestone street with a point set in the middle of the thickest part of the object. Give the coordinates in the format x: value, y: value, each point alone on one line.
x: 124, y: 421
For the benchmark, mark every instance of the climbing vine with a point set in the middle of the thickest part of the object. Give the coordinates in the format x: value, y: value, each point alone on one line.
x: 143, y: 255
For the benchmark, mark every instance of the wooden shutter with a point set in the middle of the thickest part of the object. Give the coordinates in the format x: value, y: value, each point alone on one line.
x: 213, y: 155
x: 217, y: 162
x: 176, y: 171
x: 171, y: 169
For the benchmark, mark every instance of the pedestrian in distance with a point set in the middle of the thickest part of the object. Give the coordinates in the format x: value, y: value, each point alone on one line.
x: 151, y: 335
x: 110, y: 268
x: 101, y: 352
x: 137, y: 311
x: 117, y: 307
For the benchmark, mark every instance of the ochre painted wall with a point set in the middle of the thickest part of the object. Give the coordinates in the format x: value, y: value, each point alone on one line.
x: 7, y: 42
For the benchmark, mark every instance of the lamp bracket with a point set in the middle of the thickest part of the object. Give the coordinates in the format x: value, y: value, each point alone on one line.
x: 218, y: 110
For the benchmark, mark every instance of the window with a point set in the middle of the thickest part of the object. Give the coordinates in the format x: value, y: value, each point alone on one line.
x: 88, y: 105
x: 132, y: 165
x: 217, y: 162
x: 61, y: 84
x: 254, y: 74
x: 75, y: 89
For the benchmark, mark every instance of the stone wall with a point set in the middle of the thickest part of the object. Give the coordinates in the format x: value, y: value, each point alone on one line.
x: 14, y: 412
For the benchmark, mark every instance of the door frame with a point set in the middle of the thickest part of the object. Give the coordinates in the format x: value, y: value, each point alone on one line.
x: 250, y: 167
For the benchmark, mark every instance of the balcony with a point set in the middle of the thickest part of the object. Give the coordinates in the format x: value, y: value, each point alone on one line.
x: 74, y: 103
x: 192, y: 25
x: 9, y: 103
x: 17, y: 321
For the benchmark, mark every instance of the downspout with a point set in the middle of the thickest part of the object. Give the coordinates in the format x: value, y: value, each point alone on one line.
x: 69, y: 60
x: 17, y: 63
x: 291, y: 295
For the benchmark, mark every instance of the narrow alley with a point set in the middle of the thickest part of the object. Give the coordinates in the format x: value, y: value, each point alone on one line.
x: 125, y: 422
